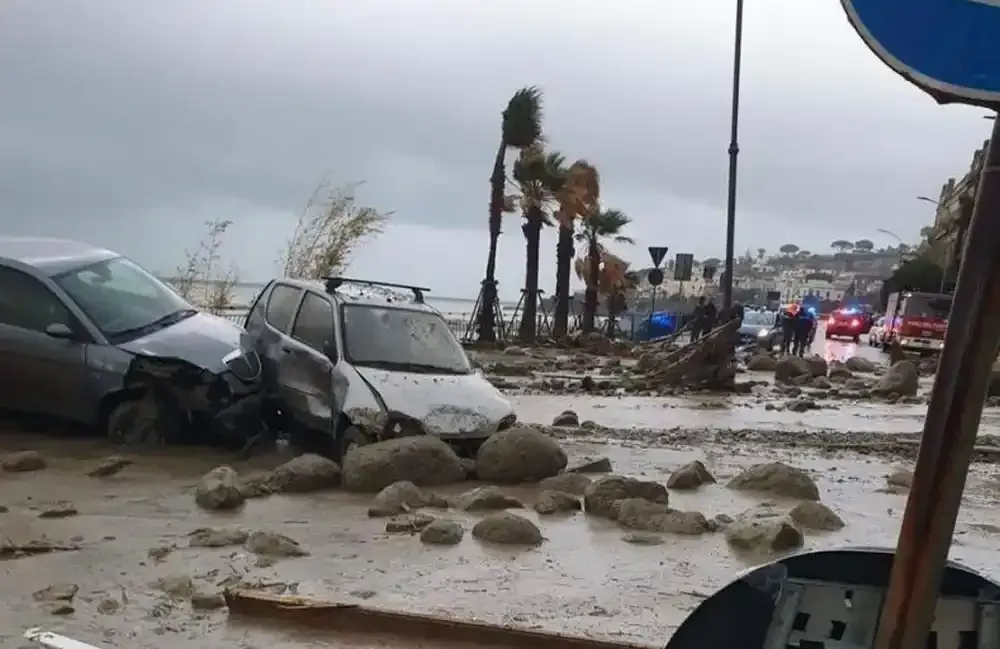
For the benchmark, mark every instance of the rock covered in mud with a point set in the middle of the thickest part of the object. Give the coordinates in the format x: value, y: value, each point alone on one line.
x: 762, y: 362
x: 507, y: 529
x: 442, y: 532
x: 860, y: 364
x: 839, y: 372
x: 816, y: 364
x: 690, y: 476
x: 109, y: 466
x: 519, y: 455
x: 566, y: 418
x: 22, y: 461
x: 219, y: 489
x: 555, y: 502
x: 486, y: 498
x: 423, y: 460
x: 812, y: 515
x: 601, y: 495
x: 900, y: 379
x: 791, y: 367
x: 408, y: 524
x: 272, y: 544
x: 397, y: 498
x: 777, y: 478
x: 641, y: 514
x: 763, y: 531
x: 210, y: 537
x: 900, y: 479
x: 593, y: 465
x: 207, y: 600
x: 305, y: 473
x: 571, y: 483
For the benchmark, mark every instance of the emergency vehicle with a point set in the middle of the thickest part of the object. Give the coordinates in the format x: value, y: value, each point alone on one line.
x: 917, y: 321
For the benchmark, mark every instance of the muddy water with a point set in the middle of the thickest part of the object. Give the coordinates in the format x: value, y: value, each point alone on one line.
x: 584, y: 580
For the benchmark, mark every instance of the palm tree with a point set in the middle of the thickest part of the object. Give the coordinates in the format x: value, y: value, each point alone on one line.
x: 598, y: 224
x: 578, y: 196
x: 521, y: 127
x: 613, y: 279
x: 540, y: 176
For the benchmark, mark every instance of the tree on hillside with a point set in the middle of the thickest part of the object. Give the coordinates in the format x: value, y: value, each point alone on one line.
x: 842, y: 245
x: 580, y: 193
x: 712, y: 261
x: 330, y: 228
x: 539, y: 176
x: 598, y: 224
x: 863, y: 245
x: 788, y: 249
x: 761, y: 253
x: 520, y: 128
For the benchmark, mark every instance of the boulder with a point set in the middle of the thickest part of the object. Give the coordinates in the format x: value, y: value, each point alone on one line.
x: 812, y: 515
x: 555, y: 502
x: 839, y: 372
x: 488, y: 498
x: 272, y: 544
x: 423, y: 460
x: 900, y: 379
x: 305, y: 473
x: 22, y: 461
x: 519, y: 455
x: 109, y: 466
x: 508, y: 529
x: 566, y: 418
x: 219, y: 489
x: 817, y: 365
x: 442, y: 532
x: 409, y: 523
x: 397, y: 498
x: 594, y: 465
x: 571, y: 483
x: 860, y: 364
x: 690, y: 476
x: 900, y: 479
x: 761, y: 362
x: 777, y: 478
x: 763, y: 532
x: 641, y: 514
x: 791, y: 367
x: 208, y: 537
x: 601, y: 495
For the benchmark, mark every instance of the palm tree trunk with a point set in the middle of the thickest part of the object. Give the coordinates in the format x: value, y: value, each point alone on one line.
x: 532, y: 229
x: 590, y: 297
x: 564, y: 262
x: 487, y: 313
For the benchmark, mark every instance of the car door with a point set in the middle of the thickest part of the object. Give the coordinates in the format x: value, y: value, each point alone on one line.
x: 41, y: 373
x: 269, y: 323
x: 309, y: 356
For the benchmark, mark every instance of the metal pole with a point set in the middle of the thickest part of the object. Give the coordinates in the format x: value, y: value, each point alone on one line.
x: 652, y: 310
x: 951, y: 425
x: 734, y: 152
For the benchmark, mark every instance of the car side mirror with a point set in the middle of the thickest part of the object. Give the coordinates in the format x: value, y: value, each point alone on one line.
x: 60, y: 331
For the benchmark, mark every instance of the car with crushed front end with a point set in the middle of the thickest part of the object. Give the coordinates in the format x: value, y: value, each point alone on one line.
x: 759, y: 329
x: 89, y: 336
x: 349, y: 362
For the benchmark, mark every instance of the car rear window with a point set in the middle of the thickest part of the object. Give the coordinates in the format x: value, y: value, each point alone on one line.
x: 281, y: 306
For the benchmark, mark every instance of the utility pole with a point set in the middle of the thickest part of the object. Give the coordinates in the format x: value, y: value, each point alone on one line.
x: 734, y: 152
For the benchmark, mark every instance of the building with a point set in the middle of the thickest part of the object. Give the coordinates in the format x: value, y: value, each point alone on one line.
x: 948, y: 211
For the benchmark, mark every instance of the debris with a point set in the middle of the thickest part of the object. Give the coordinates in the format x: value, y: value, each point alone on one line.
x: 507, y: 529
x: 273, y: 544
x: 109, y: 466
x: 442, y: 532
x: 22, y: 461
x: 763, y: 531
x: 409, y: 524
x: 777, y: 478
x: 566, y: 418
x: 56, y: 593
x: 601, y: 495
x: 816, y: 516
x: 571, y: 483
x: 209, y: 537
x: 598, y: 465
x: 487, y: 498
x: 58, y: 510
x: 397, y: 498
x: 219, y: 490
x: 305, y: 473
x: 423, y: 460
x: 519, y: 455
x: 555, y: 502
x: 641, y: 514
x: 690, y: 476
x: 901, y: 378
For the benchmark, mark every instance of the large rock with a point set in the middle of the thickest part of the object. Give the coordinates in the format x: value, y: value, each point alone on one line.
x: 397, y: 498
x: 555, y: 502
x: 641, y: 514
x: 423, y: 460
x: 305, y: 473
x: 817, y: 365
x: 601, y: 495
x: 690, y: 476
x: 571, y: 483
x: 219, y: 489
x: 790, y: 367
x: 816, y: 516
x: 902, y: 379
x: 777, y: 478
x: 22, y: 461
x: 761, y: 362
x: 442, y: 532
x: 487, y: 498
x: 860, y: 364
x: 508, y: 529
x: 519, y: 455
x: 763, y: 531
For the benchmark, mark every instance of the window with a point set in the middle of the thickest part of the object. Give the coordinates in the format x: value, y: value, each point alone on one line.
x: 314, y: 324
x: 120, y: 298
x: 281, y: 306
x: 404, y: 339
x: 26, y: 303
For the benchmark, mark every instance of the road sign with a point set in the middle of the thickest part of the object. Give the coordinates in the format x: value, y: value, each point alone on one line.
x: 948, y: 48
x: 655, y: 277
x: 683, y: 264
x: 657, y: 253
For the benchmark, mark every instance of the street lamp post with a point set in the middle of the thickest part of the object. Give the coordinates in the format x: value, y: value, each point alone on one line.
x: 734, y: 151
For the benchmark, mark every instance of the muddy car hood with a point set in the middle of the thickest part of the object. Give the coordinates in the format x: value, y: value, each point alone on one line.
x: 444, y: 404
x: 202, y: 340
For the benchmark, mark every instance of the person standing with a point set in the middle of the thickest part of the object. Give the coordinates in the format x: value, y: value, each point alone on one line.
x: 789, y: 319
x: 711, y: 316
x: 803, y: 327
x: 698, y: 320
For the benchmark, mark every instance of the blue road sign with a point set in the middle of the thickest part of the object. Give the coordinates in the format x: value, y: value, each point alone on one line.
x: 949, y: 48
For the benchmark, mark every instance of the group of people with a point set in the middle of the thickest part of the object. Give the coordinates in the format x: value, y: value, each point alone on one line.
x: 703, y: 318
x: 798, y: 326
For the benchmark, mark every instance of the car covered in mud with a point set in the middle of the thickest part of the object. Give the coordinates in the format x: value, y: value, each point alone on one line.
x: 759, y: 329
x: 349, y: 362
x: 89, y: 336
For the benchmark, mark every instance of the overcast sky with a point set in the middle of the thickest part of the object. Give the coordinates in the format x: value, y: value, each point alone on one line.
x: 128, y: 123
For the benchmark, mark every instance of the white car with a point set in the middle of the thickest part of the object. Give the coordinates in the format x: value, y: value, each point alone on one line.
x: 876, y: 332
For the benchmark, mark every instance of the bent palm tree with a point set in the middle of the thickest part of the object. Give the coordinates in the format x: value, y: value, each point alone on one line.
x: 539, y: 176
x: 579, y: 195
x: 521, y: 127
x: 598, y: 224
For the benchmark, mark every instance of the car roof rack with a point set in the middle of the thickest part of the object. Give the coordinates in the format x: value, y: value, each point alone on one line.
x: 333, y: 283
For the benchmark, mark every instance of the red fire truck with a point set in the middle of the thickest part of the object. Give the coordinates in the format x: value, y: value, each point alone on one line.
x: 917, y: 320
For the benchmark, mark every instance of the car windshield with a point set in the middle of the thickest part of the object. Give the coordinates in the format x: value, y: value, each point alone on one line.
x: 403, y: 339
x: 927, y: 306
x: 758, y: 318
x: 123, y: 300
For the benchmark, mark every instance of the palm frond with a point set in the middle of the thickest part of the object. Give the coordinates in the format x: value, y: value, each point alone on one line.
x: 622, y: 239
x: 522, y: 119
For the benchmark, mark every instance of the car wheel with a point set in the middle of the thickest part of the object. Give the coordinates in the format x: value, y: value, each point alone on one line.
x: 142, y: 422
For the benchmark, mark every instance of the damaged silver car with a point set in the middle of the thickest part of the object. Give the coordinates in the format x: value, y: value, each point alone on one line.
x: 88, y: 336
x: 350, y: 362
